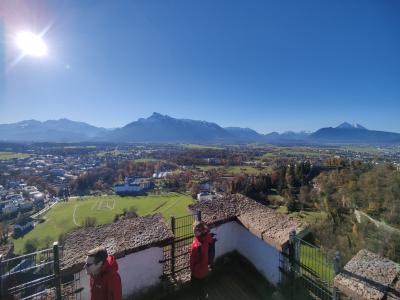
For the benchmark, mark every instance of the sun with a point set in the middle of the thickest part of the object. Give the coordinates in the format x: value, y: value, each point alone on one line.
x: 31, y: 44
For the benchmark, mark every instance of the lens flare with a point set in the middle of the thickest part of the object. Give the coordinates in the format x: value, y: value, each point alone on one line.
x: 31, y: 44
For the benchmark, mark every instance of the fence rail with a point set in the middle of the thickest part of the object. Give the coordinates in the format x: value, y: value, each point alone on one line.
x: 176, y: 256
x: 315, y: 267
x: 35, y: 275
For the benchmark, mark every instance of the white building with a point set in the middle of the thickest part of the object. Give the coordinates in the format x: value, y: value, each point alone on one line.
x: 133, y: 185
x: 161, y: 174
x: 24, y: 225
x: 127, y: 188
x: 9, y: 207
x: 204, y: 196
x: 15, y: 197
x: 27, y: 205
x: 30, y: 189
x: 57, y: 172
x: 36, y: 196
x: 22, y: 185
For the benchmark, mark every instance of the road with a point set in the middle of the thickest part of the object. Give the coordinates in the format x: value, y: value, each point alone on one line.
x: 378, y: 224
x: 43, y: 210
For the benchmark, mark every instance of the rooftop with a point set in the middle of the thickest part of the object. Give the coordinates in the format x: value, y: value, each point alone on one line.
x: 267, y: 224
x: 370, y: 276
x: 120, y: 238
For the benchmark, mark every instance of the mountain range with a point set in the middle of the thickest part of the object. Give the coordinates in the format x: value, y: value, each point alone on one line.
x: 160, y: 128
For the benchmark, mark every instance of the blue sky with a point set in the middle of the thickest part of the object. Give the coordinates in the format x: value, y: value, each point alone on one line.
x: 267, y: 65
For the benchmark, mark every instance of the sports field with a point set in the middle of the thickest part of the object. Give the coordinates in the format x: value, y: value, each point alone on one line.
x: 11, y: 155
x: 65, y: 216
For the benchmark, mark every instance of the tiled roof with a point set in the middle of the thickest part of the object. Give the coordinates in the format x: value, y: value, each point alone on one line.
x: 369, y: 276
x: 120, y: 238
x: 271, y: 226
x: 267, y: 224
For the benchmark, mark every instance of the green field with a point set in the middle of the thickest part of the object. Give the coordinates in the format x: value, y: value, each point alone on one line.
x: 65, y: 216
x: 113, y: 153
x: 80, y: 147
x: 237, y: 169
x: 148, y: 160
x: 363, y: 149
x: 197, y: 146
x: 308, y: 152
x: 11, y: 155
x: 310, y: 217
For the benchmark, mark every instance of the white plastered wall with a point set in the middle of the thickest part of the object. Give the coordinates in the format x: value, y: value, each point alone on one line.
x: 265, y: 258
x: 138, y: 271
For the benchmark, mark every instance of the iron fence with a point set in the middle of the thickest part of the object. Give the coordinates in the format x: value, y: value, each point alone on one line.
x: 31, y: 275
x: 37, y: 276
x: 176, y: 256
x: 313, y: 267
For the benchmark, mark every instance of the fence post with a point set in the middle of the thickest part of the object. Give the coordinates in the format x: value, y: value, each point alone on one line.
x: 294, y: 253
x: 337, y: 265
x: 292, y: 236
x: 172, y: 254
x: 56, y: 264
x: 198, y: 215
x: 1, y: 275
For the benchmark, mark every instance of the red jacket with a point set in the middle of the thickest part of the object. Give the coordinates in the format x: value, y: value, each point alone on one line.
x: 107, y: 284
x: 199, y: 256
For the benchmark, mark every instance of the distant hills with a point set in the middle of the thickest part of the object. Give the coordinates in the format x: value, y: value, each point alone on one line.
x: 62, y: 130
x: 160, y: 128
x: 346, y: 133
x: 165, y: 129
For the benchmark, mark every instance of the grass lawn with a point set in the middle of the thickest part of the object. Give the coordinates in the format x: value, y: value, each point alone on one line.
x: 310, y: 217
x: 113, y: 153
x: 197, y: 146
x: 307, y: 152
x: 237, y: 169
x: 80, y: 147
x: 282, y: 209
x: 65, y: 216
x: 318, y: 262
x: 207, y: 168
x: 11, y: 155
x: 148, y: 160
x: 245, y: 169
x: 363, y: 149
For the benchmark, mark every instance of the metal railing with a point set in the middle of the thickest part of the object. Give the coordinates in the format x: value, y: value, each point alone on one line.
x: 37, y: 276
x: 176, y: 255
x: 31, y: 275
x: 71, y: 289
x: 313, y: 267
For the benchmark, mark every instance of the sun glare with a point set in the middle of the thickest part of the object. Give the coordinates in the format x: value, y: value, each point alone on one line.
x: 31, y: 44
